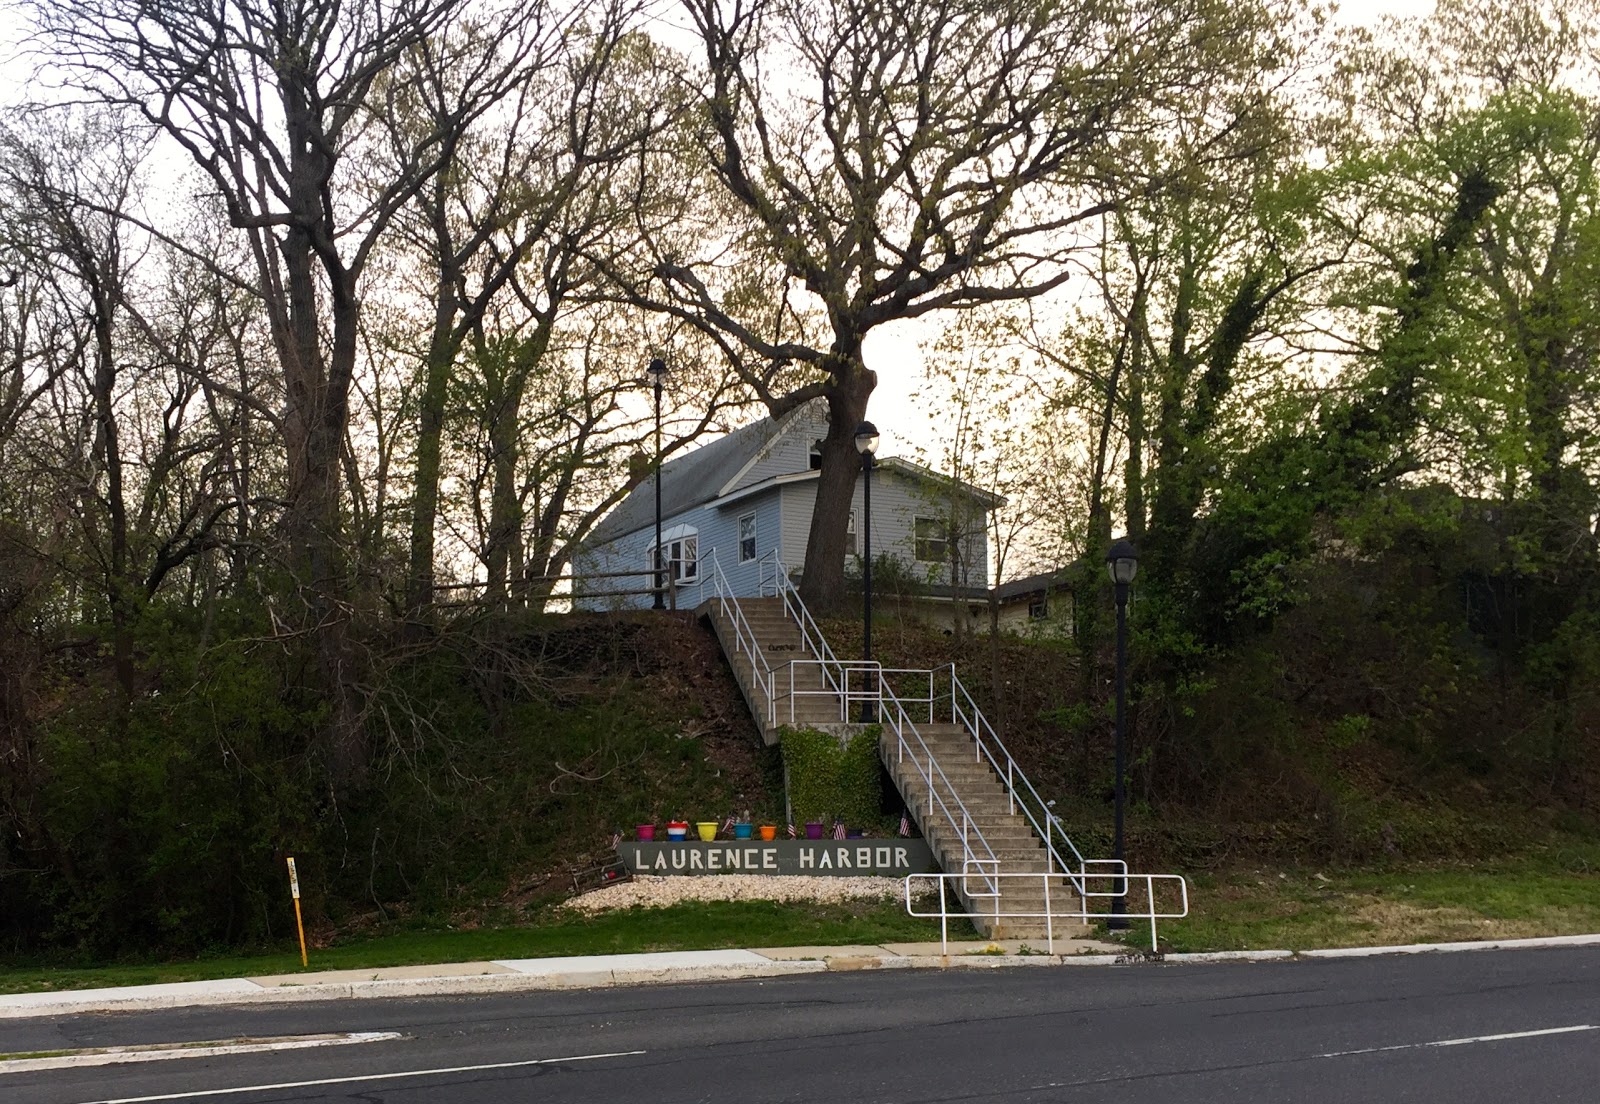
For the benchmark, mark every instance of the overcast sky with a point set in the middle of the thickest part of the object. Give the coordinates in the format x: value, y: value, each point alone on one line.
x: 894, y: 352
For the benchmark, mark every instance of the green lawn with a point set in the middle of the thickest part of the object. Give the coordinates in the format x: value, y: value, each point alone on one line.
x: 1304, y: 909
x: 1554, y: 894
x: 685, y: 927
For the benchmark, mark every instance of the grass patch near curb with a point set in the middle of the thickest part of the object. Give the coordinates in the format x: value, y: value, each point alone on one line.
x: 1304, y: 909
x: 712, y: 925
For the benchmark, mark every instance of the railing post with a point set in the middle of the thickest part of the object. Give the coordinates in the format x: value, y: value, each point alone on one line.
x: 944, y: 921
x: 1049, y: 917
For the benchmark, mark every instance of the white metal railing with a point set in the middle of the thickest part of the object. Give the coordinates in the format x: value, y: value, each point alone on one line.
x: 745, y: 641
x: 891, y: 713
x: 869, y: 688
x: 971, y: 718
x: 997, y: 910
x: 811, y: 638
x: 835, y: 682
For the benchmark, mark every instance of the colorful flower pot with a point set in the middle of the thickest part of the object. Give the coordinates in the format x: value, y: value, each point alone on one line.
x: 645, y: 832
x: 707, y: 829
x: 769, y: 831
x: 741, y: 831
x: 814, y: 829
x: 677, y: 829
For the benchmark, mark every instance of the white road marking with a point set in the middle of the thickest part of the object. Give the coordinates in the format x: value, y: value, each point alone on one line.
x: 116, y: 1056
x: 367, y: 1077
x: 1463, y: 1042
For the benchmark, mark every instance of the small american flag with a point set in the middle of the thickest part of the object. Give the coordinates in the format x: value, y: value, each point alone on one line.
x: 838, y: 829
x: 905, y: 824
x: 792, y: 832
x: 616, y: 839
x: 727, y: 825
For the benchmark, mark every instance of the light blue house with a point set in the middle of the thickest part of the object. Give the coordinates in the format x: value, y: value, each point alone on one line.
x: 747, y: 498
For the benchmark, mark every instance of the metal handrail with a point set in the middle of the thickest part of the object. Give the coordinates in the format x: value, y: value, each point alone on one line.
x: 836, y: 678
x: 810, y: 632
x: 850, y: 695
x: 744, y: 635
x: 1049, y: 914
x: 1012, y: 774
x: 899, y: 721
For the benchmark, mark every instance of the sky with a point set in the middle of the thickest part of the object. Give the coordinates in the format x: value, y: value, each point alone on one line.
x: 896, y: 352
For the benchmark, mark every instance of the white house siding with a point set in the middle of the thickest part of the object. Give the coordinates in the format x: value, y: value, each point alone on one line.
x: 790, y: 452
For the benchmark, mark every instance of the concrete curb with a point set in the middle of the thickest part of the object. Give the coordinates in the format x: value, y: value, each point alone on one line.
x: 616, y: 971
x: 1450, y: 948
x: 1229, y: 956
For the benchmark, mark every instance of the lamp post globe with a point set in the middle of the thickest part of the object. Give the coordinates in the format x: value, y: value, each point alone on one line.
x: 1122, y: 562
x: 657, y: 370
x: 867, y: 446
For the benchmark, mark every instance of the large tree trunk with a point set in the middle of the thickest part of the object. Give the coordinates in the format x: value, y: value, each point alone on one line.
x: 822, y: 586
x: 119, y: 587
x: 442, y: 348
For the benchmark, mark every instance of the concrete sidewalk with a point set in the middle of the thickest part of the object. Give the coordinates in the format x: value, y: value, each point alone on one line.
x: 594, y: 971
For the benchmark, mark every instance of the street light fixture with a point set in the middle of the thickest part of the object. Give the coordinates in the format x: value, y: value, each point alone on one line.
x: 658, y: 374
x: 1122, y: 561
x: 867, y: 446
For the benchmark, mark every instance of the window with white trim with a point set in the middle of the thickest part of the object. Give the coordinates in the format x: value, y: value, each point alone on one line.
x: 932, y: 540
x: 680, y: 554
x: 1039, y: 607
x: 747, y: 538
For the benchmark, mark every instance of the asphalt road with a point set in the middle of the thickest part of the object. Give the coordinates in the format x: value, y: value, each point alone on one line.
x: 1364, y: 1030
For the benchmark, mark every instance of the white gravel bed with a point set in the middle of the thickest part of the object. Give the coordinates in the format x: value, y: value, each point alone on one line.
x: 652, y: 891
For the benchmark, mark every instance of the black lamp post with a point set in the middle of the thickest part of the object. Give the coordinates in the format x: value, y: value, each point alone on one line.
x: 658, y: 373
x: 1122, y: 560
x: 867, y: 445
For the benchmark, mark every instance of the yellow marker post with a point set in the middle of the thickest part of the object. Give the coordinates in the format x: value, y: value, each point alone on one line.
x: 294, y: 891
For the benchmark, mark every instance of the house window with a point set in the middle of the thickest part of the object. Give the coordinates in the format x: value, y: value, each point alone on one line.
x: 816, y: 455
x: 1038, y: 607
x: 747, y: 538
x: 850, y: 535
x: 933, y: 545
x: 681, y: 555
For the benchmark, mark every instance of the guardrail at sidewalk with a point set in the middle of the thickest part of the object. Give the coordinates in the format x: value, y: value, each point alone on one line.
x: 993, y: 878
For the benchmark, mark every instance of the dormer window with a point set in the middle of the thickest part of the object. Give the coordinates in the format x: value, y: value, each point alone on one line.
x: 816, y: 455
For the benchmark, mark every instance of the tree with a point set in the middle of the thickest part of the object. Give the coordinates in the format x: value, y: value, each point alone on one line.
x: 522, y: 192
x: 886, y: 161
x: 282, y: 105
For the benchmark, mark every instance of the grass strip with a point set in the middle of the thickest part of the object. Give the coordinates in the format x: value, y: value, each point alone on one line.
x: 711, y: 925
x: 1301, y: 910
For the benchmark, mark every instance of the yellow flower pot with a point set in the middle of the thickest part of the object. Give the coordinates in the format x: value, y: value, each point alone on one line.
x: 707, y: 829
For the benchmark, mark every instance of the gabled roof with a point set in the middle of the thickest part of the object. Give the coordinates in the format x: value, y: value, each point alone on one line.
x: 712, y: 471
x: 1044, y: 582
x: 690, y: 480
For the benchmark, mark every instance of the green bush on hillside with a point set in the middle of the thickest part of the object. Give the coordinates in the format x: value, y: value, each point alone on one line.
x: 829, y: 779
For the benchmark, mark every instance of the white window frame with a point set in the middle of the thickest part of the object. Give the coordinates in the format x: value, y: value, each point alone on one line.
x: 751, y: 518
x: 1039, y: 608
x: 917, y: 540
x: 682, y: 561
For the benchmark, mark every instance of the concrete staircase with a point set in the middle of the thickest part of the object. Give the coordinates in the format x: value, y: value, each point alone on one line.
x: 785, y: 685
x: 769, y: 653
x: 967, y: 787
